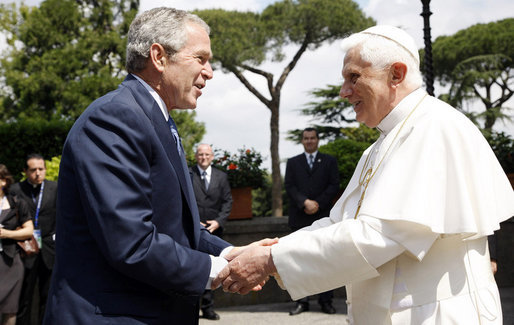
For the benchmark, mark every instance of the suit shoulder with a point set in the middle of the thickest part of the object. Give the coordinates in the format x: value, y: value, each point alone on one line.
x: 50, y: 184
x: 218, y: 171
x: 297, y: 157
x: 15, y: 187
x: 327, y: 156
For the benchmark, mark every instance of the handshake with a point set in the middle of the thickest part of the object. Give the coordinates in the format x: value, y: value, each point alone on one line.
x: 248, y: 269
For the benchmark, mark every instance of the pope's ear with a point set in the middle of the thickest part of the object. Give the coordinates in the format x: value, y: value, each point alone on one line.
x: 398, y: 72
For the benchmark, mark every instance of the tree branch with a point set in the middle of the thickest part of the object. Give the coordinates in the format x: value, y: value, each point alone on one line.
x: 292, y: 64
x: 249, y: 86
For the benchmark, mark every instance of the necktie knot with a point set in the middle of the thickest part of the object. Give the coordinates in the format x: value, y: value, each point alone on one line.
x: 311, y: 161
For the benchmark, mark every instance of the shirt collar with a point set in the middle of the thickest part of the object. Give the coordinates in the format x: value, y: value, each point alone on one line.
x: 208, y: 170
x: 400, y: 112
x: 156, y: 96
x: 314, y: 154
x: 34, y: 185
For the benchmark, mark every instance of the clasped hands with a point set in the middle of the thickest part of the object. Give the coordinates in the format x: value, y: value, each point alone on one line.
x: 248, y: 269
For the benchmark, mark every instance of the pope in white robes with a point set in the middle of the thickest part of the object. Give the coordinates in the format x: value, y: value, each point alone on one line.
x: 408, y: 237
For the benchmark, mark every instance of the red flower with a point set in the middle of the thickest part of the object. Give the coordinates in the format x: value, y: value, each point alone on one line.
x: 232, y: 166
x: 248, y: 151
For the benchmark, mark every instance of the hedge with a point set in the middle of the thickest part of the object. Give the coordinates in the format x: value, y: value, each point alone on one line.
x: 18, y: 139
x: 347, y: 152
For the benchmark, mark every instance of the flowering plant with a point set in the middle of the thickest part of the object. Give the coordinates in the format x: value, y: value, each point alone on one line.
x: 243, y: 168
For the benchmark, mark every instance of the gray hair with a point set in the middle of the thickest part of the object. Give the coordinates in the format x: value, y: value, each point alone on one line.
x: 381, y: 52
x: 165, y: 26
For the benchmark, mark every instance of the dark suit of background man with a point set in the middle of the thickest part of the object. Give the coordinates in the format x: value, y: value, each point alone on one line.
x: 130, y: 246
x: 312, y: 183
x: 36, y: 190
x: 212, y: 192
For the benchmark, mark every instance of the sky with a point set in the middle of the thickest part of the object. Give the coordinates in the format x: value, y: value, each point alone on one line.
x: 235, y: 118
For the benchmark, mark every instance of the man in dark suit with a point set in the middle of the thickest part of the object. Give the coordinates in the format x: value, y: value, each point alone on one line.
x: 40, y: 195
x: 130, y: 246
x: 312, y: 183
x: 212, y: 192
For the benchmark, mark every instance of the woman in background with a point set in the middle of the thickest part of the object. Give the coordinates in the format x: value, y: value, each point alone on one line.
x: 15, y: 225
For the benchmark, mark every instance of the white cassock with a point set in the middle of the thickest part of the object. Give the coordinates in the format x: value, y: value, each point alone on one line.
x: 416, y: 253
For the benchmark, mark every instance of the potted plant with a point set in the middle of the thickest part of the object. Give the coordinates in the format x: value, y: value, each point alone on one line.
x: 244, y: 174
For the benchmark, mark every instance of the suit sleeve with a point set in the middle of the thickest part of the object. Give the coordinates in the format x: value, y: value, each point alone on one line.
x: 291, y: 186
x: 325, y: 198
x: 226, y: 201
x: 112, y: 155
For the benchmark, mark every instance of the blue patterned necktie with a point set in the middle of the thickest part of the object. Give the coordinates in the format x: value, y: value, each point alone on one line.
x: 311, y: 161
x: 205, y: 180
x: 176, y: 137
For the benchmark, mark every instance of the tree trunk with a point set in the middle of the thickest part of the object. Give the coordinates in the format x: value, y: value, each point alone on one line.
x: 276, y: 187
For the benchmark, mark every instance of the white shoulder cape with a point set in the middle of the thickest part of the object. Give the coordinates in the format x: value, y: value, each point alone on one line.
x: 440, y: 172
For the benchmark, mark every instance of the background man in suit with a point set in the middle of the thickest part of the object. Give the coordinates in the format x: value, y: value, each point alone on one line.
x: 40, y: 195
x: 212, y: 192
x: 130, y: 248
x: 312, y: 183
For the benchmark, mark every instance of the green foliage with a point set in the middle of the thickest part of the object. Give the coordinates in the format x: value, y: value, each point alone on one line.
x: 243, y: 168
x: 246, y: 38
x: 477, y: 62
x: 261, y: 199
x: 62, y: 55
x: 52, y: 168
x: 503, y: 147
x: 362, y: 133
x: 31, y: 136
x: 347, y: 153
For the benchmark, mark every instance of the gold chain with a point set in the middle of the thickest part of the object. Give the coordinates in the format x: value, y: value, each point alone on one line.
x: 369, y: 172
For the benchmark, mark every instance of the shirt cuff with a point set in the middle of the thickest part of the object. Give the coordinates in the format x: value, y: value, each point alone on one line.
x: 217, y: 264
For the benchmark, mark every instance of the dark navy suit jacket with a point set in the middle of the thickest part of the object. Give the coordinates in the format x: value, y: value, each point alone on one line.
x: 320, y: 184
x: 130, y: 247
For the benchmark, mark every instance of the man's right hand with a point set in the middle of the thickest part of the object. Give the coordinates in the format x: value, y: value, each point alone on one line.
x: 236, y: 251
x: 310, y: 206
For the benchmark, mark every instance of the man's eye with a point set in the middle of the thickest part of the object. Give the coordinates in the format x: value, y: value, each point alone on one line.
x: 354, y: 77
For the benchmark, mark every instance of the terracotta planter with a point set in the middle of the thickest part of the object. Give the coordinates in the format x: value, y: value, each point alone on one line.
x: 241, y: 203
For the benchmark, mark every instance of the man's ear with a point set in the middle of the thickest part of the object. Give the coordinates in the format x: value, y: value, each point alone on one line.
x: 398, y: 72
x: 157, y: 56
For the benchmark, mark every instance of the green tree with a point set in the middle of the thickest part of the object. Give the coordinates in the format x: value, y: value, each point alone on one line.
x: 477, y: 63
x: 242, y: 41
x: 62, y: 55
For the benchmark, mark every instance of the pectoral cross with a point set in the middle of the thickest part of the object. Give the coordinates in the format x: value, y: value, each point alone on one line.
x: 367, y: 178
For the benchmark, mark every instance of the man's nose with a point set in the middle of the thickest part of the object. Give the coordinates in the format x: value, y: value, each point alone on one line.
x: 207, y: 71
x: 345, y: 91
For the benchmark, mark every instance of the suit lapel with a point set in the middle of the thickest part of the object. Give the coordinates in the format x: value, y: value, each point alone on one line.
x: 199, y: 179
x: 154, y: 113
